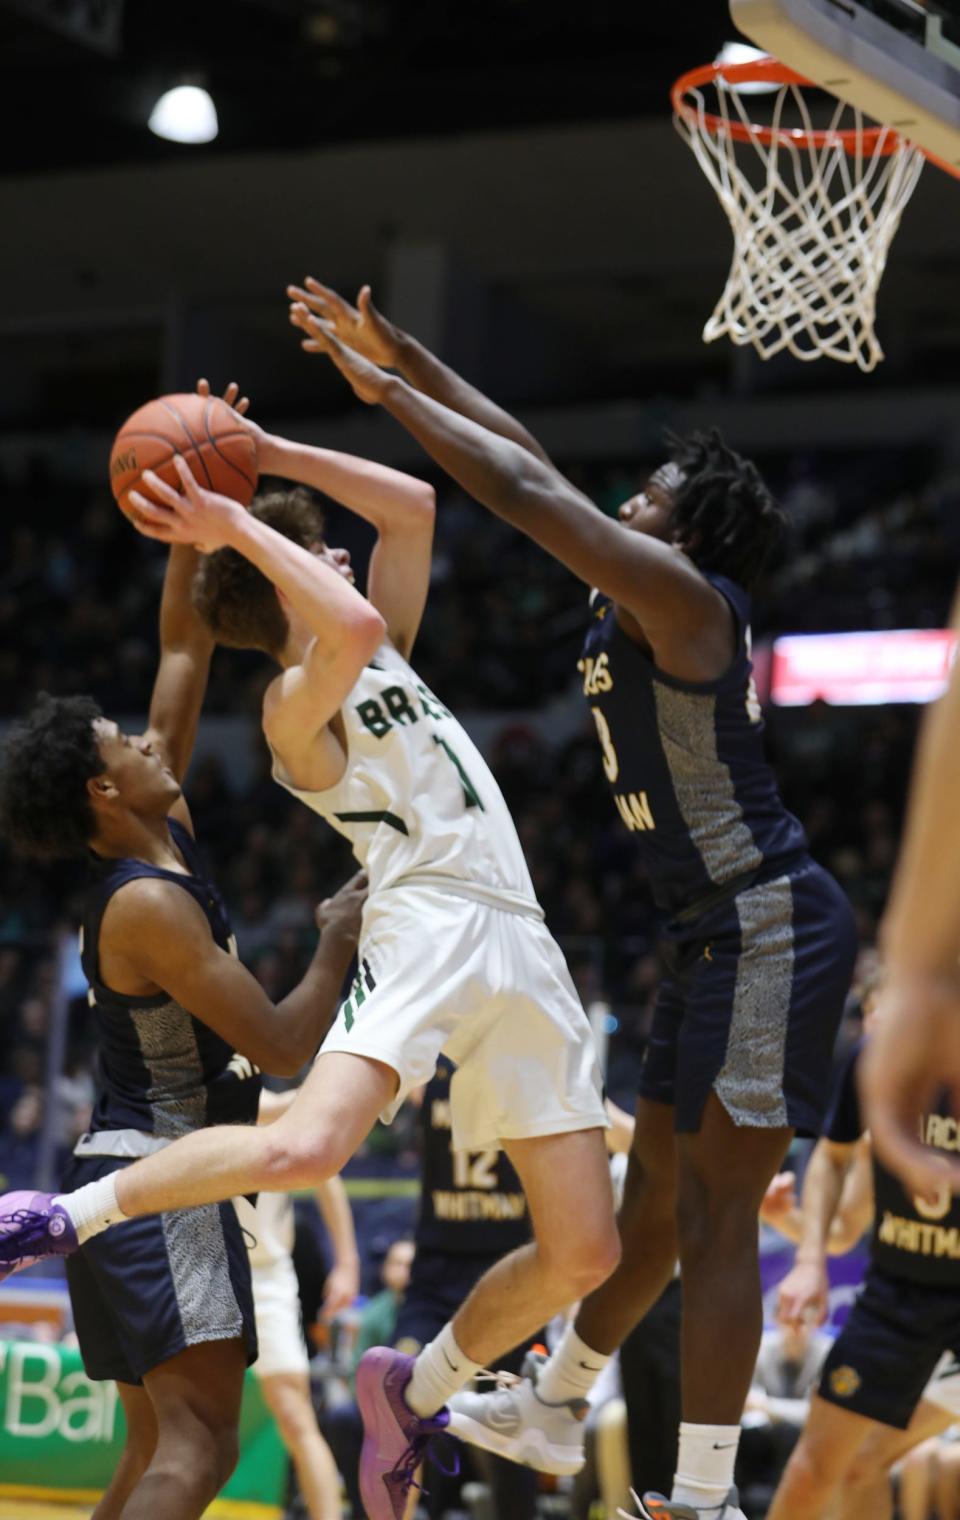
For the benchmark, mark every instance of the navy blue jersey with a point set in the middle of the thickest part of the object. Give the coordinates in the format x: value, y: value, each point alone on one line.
x: 685, y: 760
x: 161, y: 1071
x: 470, y: 1201
x: 913, y: 1237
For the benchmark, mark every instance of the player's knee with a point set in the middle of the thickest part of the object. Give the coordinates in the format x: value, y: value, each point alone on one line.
x: 586, y: 1261
x: 214, y: 1452
x: 649, y: 1202
x: 227, y: 1448
x: 710, y: 1215
x: 806, y: 1476
x: 195, y: 1457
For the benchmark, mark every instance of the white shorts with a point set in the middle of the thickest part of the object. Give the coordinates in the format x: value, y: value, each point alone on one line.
x: 487, y: 987
x: 276, y: 1303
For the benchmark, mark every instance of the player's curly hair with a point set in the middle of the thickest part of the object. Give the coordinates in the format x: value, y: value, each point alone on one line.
x: 724, y: 515
x: 238, y: 603
x: 48, y: 758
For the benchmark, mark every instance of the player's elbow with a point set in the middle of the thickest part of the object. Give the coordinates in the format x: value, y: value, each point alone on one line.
x: 845, y: 1235
x: 364, y: 632
x: 423, y: 503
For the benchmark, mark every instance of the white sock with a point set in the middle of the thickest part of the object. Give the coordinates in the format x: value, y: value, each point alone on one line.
x: 705, y: 1461
x: 440, y: 1370
x: 571, y: 1371
x: 93, y: 1207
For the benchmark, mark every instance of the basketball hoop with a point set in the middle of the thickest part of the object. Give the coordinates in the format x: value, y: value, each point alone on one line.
x: 813, y: 211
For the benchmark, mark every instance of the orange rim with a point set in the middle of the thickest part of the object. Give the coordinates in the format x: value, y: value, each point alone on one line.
x: 768, y: 70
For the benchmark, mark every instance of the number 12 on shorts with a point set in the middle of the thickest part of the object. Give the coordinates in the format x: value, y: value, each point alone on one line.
x: 470, y: 793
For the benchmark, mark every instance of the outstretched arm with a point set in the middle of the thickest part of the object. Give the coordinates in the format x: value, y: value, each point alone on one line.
x: 678, y: 610
x: 185, y: 647
x: 364, y: 328
x: 916, y: 1048
x: 181, y: 681
x: 400, y: 507
x: 346, y: 630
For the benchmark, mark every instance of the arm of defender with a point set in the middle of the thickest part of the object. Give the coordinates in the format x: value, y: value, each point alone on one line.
x: 154, y: 931
x: 400, y: 507
x: 181, y: 681
x: 364, y: 328
x: 185, y: 646
x: 803, y: 1295
x: 671, y: 600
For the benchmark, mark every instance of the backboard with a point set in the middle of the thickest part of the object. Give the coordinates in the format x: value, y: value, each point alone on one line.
x: 897, y: 60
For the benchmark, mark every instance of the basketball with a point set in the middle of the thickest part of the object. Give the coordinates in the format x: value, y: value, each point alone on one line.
x: 220, y: 451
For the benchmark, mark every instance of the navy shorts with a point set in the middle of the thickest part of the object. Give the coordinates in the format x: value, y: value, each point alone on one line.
x: 147, y: 1289
x: 751, y: 1005
x: 885, y: 1354
x: 439, y: 1283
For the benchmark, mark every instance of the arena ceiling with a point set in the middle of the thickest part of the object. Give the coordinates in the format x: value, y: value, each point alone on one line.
x: 80, y: 76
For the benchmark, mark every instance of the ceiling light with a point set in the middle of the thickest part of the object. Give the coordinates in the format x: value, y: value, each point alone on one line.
x: 185, y: 114
x: 742, y: 52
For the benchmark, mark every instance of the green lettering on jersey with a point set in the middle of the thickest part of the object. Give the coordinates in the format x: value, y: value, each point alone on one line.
x: 432, y: 708
x: 372, y: 716
x: 398, y: 704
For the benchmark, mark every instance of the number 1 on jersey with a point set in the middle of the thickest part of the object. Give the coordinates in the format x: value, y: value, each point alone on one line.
x: 470, y: 793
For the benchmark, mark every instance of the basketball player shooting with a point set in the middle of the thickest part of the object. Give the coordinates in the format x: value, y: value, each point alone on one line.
x: 163, y: 1305
x: 760, y: 941
x: 454, y: 953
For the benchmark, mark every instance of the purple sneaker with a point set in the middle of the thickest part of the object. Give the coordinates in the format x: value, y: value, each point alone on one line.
x: 32, y: 1226
x: 394, y: 1438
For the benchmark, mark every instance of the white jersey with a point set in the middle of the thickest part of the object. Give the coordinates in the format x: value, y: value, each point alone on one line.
x: 417, y: 798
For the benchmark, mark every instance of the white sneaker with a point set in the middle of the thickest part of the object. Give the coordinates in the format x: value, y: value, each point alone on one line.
x: 656, y: 1507
x: 514, y: 1422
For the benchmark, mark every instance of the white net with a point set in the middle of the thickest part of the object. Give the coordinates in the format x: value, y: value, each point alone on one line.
x: 813, y: 212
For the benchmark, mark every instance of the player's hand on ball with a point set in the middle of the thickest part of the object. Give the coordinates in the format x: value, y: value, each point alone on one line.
x: 360, y: 327
x: 341, y: 914
x: 195, y: 516
x: 230, y: 395
x: 804, y: 1296
x: 369, y: 383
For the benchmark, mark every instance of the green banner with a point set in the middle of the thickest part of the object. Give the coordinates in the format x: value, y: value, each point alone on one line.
x: 61, y: 1432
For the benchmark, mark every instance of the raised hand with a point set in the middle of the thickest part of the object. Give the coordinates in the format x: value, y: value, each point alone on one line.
x: 913, y: 1054
x: 195, y: 516
x: 368, y: 381
x: 362, y: 327
x: 230, y: 395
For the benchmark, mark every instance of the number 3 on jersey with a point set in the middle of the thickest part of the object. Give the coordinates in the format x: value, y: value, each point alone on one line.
x: 611, y: 765
x: 470, y: 794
